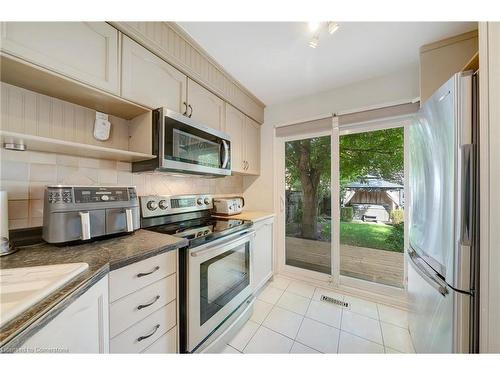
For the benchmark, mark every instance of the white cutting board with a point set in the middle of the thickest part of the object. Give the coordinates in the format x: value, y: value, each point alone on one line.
x: 21, y: 288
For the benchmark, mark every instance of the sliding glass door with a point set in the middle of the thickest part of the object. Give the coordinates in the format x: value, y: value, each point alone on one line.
x: 308, y: 203
x: 341, y: 196
x: 372, y: 203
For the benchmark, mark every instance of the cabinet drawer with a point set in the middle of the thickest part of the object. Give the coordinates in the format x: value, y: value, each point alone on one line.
x: 137, y: 275
x: 136, y: 306
x: 165, y: 344
x: 141, y: 335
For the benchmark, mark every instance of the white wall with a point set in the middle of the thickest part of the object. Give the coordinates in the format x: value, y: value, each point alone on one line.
x: 396, y: 86
x: 489, y: 133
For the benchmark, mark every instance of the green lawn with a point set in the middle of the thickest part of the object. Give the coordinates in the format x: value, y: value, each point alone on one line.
x: 375, y: 236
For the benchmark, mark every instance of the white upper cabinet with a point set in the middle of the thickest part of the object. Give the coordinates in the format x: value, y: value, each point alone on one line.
x: 252, y: 147
x: 85, y: 51
x: 150, y: 81
x: 235, y: 127
x: 205, y: 107
x: 245, y: 142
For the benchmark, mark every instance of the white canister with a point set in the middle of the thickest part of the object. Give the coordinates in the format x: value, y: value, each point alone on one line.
x: 4, y: 215
x: 5, y: 246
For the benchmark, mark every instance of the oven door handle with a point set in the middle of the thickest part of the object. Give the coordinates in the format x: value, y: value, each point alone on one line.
x: 223, y: 244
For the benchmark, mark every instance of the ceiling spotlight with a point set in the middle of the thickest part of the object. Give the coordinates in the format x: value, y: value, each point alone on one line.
x: 314, y: 26
x: 332, y: 27
x: 313, y: 43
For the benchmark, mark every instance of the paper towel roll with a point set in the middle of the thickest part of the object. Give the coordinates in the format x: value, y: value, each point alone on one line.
x: 4, y: 214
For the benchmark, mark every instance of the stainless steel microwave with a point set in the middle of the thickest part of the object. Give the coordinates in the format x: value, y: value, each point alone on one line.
x: 183, y: 145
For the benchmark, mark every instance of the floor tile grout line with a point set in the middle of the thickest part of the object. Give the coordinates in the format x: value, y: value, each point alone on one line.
x: 380, y: 327
x: 248, y: 342
x: 310, y: 347
x: 340, y: 331
x: 259, y: 324
x: 302, y: 321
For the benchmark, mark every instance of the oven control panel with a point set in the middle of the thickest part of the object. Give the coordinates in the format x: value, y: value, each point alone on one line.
x: 159, y: 205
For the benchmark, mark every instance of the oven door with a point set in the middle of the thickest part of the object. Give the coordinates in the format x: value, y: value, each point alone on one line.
x: 190, y: 147
x: 219, y: 279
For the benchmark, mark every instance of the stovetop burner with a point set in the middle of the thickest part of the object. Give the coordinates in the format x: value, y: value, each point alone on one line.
x: 202, y: 230
x: 187, y: 216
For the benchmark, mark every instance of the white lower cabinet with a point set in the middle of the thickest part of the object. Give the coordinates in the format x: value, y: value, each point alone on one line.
x: 263, y: 252
x: 165, y: 344
x: 80, y: 328
x: 145, y: 332
x: 143, y: 306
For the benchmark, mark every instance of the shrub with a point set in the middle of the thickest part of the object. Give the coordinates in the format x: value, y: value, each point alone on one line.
x: 326, y: 230
x: 397, y: 216
x: 397, y: 239
x: 346, y: 214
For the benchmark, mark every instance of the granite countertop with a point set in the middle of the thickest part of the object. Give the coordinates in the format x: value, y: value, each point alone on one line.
x: 253, y: 216
x: 102, y: 257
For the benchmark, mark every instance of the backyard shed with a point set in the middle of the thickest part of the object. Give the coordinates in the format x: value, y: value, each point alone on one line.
x: 373, y: 198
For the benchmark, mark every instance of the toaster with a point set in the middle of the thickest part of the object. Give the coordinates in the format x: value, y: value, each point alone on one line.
x: 229, y: 205
x: 83, y: 213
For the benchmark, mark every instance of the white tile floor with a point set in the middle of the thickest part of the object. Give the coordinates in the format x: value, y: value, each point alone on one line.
x: 289, y: 317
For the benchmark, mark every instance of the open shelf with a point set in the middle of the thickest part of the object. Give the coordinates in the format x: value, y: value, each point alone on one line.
x: 20, y: 73
x: 36, y: 143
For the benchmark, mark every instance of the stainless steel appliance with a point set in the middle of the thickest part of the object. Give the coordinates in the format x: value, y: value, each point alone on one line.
x: 215, y: 269
x: 229, y: 206
x: 82, y: 213
x: 186, y: 146
x: 444, y: 253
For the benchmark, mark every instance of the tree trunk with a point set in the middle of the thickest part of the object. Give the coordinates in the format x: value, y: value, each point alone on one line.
x: 309, y: 178
x: 309, y: 213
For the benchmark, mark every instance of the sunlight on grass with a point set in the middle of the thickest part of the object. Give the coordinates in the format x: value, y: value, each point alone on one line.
x: 375, y: 236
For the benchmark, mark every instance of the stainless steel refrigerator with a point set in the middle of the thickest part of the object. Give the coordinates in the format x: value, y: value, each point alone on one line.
x: 443, y: 252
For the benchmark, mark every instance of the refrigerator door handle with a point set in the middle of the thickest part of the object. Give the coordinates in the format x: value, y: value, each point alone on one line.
x: 423, y: 270
x: 467, y: 198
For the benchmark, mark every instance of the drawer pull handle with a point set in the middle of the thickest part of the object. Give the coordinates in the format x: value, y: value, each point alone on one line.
x: 148, y: 304
x: 142, y: 274
x: 151, y: 334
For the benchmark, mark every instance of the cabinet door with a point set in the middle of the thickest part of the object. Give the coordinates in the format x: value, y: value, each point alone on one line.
x: 83, y: 327
x: 150, y: 81
x: 263, y: 253
x: 85, y: 51
x: 235, y: 127
x: 252, y: 147
x: 206, y: 107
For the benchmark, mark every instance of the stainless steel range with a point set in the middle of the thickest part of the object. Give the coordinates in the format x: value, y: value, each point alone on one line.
x: 215, y: 269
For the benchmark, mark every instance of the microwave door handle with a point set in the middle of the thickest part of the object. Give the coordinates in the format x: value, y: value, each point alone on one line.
x: 225, y: 152
x: 130, y: 220
x: 85, y: 225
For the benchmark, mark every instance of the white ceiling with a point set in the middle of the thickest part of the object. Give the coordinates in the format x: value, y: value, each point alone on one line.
x: 273, y: 59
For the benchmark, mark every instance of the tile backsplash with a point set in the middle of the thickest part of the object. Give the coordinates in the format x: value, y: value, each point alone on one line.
x: 24, y: 175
